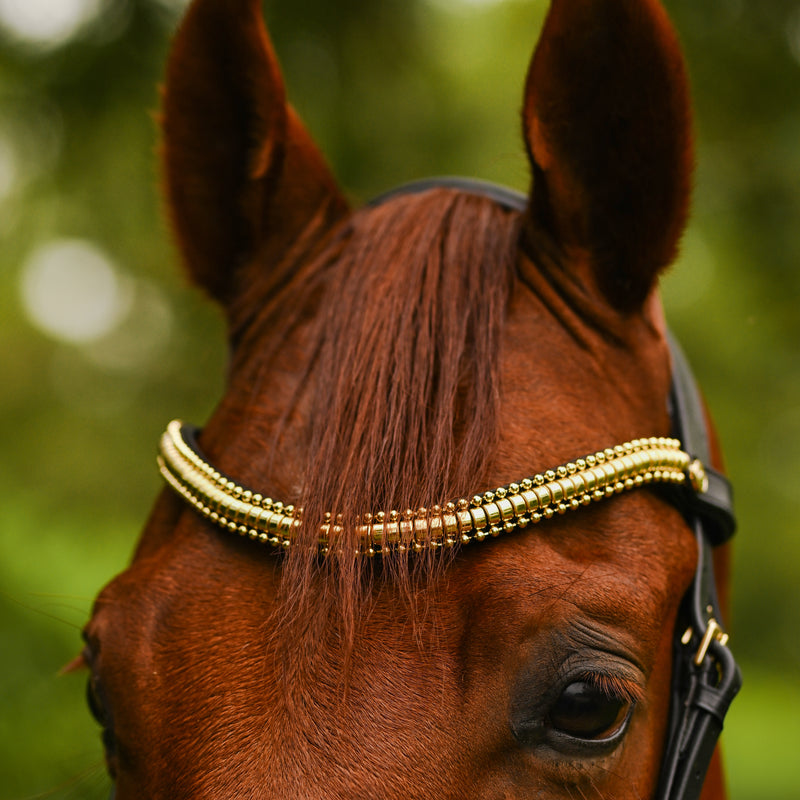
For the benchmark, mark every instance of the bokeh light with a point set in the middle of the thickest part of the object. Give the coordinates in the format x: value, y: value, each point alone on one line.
x: 72, y: 291
x: 47, y: 23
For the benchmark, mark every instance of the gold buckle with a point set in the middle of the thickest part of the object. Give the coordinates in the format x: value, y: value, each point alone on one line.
x: 698, y: 476
x: 713, y: 631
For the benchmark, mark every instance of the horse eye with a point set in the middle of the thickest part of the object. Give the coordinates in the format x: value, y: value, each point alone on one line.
x: 95, y: 702
x: 95, y: 698
x: 585, y: 711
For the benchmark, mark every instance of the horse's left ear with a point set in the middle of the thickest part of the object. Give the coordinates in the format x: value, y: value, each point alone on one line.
x: 243, y: 177
x: 607, y: 124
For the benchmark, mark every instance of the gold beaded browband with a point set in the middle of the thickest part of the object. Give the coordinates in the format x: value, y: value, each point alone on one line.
x: 568, y: 487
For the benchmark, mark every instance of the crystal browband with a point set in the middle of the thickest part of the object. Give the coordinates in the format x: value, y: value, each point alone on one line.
x: 576, y: 484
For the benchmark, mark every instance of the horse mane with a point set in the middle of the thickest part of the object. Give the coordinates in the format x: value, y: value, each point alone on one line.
x: 409, y: 299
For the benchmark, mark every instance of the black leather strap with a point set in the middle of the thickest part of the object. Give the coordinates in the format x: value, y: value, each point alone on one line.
x: 508, y: 198
x: 715, y: 505
x: 705, y: 676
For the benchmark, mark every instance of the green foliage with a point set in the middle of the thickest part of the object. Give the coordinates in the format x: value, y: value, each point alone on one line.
x: 393, y: 91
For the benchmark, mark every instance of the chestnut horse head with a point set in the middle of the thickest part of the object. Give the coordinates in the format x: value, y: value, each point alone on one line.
x: 440, y: 342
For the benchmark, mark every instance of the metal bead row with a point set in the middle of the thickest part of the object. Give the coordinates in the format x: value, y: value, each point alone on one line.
x: 569, y: 487
x: 545, y: 495
x: 221, y: 500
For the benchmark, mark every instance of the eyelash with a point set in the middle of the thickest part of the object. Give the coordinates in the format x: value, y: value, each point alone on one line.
x: 614, y: 687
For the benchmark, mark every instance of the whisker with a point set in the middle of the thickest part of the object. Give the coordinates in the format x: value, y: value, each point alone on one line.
x: 87, y: 784
x: 41, y: 610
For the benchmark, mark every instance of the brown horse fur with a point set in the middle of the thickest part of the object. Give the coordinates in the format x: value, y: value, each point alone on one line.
x: 402, y: 356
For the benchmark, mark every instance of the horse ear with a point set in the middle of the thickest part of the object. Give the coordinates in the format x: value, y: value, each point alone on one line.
x: 607, y: 124
x: 243, y: 177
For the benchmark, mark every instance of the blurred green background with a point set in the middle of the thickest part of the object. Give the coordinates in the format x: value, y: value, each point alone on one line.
x: 101, y: 343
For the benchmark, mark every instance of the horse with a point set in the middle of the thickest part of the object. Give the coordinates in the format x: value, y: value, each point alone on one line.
x: 449, y: 531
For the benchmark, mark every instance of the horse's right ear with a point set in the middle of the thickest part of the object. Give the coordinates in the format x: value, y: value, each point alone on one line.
x: 243, y: 177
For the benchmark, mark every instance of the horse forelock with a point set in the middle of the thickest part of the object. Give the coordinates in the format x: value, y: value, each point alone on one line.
x: 400, y: 393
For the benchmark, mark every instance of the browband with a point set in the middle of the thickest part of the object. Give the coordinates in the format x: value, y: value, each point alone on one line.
x: 565, y: 488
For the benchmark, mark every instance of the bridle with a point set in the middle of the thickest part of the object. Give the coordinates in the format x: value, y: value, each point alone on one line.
x: 705, y: 676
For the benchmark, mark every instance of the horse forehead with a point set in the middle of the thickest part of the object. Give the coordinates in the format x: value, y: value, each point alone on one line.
x: 566, y: 358
x: 624, y: 561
